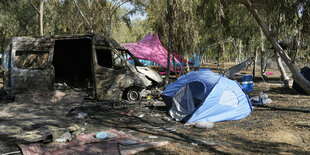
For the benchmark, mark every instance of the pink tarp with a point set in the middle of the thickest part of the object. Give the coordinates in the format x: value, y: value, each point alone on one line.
x: 121, y: 143
x: 150, y: 48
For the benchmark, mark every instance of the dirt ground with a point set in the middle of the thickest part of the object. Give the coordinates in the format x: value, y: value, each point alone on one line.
x: 282, y: 127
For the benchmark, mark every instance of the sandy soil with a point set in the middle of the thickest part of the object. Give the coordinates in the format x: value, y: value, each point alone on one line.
x: 282, y: 127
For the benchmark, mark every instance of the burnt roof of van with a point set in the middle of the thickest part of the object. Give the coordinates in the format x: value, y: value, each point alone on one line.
x: 97, y: 38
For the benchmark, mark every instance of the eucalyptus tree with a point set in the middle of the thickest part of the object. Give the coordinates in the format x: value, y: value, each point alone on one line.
x: 283, y: 20
x: 16, y: 20
x: 298, y: 77
x: 40, y: 12
x: 185, y: 36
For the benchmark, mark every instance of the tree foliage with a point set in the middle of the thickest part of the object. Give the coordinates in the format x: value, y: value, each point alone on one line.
x: 213, y: 28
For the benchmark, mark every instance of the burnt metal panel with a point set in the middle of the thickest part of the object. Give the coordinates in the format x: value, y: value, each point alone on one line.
x: 31, y: 79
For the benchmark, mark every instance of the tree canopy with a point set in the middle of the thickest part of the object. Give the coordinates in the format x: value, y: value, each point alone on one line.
x: 217, y: 29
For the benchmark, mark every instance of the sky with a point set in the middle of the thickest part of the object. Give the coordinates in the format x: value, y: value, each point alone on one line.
x: 137, y: 15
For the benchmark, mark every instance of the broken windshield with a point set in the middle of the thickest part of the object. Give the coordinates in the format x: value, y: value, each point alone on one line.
x: 128, y: 56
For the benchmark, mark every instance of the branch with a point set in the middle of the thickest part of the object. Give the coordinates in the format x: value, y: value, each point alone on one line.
x: 83, y: 15
x: 117, y: 7
x: 76, y: 30
x: 34, y: 7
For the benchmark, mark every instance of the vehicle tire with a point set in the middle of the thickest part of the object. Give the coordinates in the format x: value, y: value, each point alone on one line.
x: 133, y: 95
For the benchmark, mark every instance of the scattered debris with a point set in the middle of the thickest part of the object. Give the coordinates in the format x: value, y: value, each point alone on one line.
x: 81, y: 115
x: 202, y: 124
x: 141, y: 116
x: 167, y: 119
x: 195, y: 144
x: 262, y: 99
x: 87, y: 144
x: 63, y: 138
x: 129, y: 113
x: 155, y: 115
x: 104, y: 135
x: 153, y: 137
x: 61, y: 86
x: 171, y: 129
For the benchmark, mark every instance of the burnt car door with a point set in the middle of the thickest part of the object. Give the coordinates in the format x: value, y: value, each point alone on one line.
x: 31, y: 67
x: 110, y: 71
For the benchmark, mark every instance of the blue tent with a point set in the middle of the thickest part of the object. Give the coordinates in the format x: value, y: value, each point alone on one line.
x: 206, y: 96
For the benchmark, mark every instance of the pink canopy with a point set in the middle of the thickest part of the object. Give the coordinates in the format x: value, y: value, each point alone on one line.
x: 150, y: 48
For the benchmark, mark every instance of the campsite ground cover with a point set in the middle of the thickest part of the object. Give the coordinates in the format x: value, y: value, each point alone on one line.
x: 282, y: 127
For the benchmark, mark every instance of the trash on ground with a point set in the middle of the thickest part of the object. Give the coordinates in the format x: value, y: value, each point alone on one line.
x: 81, y: 115
x: 262, y: 99
x: 149, y: 97
x: 129, y: 113
x: 141, y: 115
x: 87, y: 144
x: 103, y: 135
x: 206, y: 96
x: 202, y: 124
x: 153, y: 137
x: 166, y: 119
x: 171, y: 129
x: 195, y: 144
x: 155, y: 115
x: 60, y: 86
x: 63, y: 138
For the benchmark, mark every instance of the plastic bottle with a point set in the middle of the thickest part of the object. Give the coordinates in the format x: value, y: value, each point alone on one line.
x: 103, y: 135
x: 261, y: 96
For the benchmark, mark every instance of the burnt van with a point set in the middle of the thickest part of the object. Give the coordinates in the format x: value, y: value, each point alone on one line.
x: 87, y: 61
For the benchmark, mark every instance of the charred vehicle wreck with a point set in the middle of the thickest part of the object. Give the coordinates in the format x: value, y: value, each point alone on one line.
x: 88, y: 61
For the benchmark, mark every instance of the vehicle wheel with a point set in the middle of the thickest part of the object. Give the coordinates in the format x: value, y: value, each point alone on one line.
x: 133, y: 95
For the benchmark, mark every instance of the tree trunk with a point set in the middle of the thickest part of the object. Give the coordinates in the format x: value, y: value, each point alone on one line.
x: 170, y: 23
x: 40, y: 15
x: 41, y: 18
x: 222, y: 43
x: 218, y: 56
x: 263, y: 64
x: 239, y: 51
x: 174, y: 66
x: 255, y: 60
x: 298, y: 77
x: 255, y: 54
x: 186, y: 62
x: 298, y: 40
x: 284, y: 76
